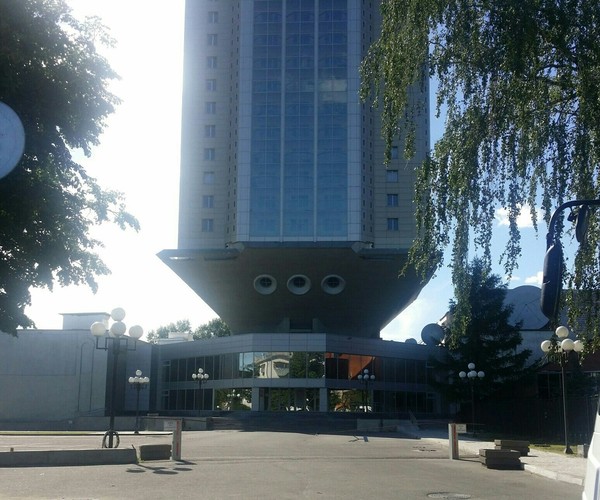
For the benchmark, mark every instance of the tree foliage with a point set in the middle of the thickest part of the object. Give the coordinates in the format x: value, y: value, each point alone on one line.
x: 53, y: 77
x: 518, y: 82
x: 162, y: 332
x: 214, y: 328
x: 490, y: 341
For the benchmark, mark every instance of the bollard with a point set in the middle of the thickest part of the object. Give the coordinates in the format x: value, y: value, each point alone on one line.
x: 453, y: 441
x: 176, y: 446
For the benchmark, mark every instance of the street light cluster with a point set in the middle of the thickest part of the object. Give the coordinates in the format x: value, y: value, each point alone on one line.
x: 117, y: 329
x: 365, y: 378
x: 200, y: 377
x: 113, y: 336
x: 138, y: 379
x: 472, y: 373
x: 561, y: 346
x: 139, y: 383
x: 471, y: 376
x: 566, y: 345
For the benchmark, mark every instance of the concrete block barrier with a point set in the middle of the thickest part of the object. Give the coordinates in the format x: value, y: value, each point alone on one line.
x: 500, y: 459
x: 155, y: 452
x: 512, y: 444
x: 57, y: 458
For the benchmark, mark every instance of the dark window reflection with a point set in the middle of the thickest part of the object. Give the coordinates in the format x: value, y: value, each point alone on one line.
x: 400, y: 385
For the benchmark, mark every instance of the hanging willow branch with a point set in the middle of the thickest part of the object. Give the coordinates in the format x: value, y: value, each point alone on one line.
x: 518, y: 81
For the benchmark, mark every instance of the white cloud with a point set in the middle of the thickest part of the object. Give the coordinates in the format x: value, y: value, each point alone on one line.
x: 535, y: 279
x: 523, y: 220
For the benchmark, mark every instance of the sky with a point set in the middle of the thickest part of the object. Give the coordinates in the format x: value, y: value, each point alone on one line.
x: 139, y: 156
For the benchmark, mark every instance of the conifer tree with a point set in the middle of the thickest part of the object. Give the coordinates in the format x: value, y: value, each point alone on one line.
x: 490, y: 341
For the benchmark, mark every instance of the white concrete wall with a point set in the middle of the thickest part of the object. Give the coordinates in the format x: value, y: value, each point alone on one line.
x: 51, y: 375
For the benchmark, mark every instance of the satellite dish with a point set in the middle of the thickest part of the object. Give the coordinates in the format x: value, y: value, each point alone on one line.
x: 432, y: 334
x: 525, y: 301
x: 410, y: 341
x: 12, y: 139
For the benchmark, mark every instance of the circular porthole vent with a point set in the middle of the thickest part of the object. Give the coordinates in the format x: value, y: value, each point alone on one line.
x: 298, y: 284
x: 265, y: 284
x: 333, y: 284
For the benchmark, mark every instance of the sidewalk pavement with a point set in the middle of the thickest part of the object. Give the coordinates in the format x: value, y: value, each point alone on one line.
x: 561, y: 467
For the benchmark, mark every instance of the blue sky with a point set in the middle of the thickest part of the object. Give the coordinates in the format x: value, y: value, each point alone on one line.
x: 139, y: 155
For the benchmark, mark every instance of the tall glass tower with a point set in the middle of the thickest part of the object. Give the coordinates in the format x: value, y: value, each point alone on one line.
x: 289, y: 219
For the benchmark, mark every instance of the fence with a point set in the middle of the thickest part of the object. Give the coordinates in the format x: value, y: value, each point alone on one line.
x: 540, y: 419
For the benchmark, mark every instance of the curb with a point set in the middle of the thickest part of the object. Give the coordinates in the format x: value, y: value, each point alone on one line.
x: 558, y: 476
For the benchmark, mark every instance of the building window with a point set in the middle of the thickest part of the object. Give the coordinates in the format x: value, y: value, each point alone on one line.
x: 213, y: 17
x: 211, y: 85
x: 211, y: 39
x: 210, y: 130
x: 208, y: 201
x: 210, y: 108
x: 207, y: 225
x: 394, y: 152
x: 209, y: 154
x: 391, y: 176
x: 208, y: 178
x: 211, y: 62
x: 392, y: 224
x: 392, y: 200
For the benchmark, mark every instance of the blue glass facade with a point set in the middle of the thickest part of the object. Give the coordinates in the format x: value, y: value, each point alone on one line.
x: 298, y: 171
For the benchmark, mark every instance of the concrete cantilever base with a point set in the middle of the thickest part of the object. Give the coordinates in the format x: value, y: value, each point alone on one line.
x: 68, y: 457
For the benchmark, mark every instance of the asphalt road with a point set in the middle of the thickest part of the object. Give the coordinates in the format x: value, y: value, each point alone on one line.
x: 263, y: 465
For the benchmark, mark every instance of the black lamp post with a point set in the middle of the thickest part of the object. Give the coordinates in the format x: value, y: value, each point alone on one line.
x: 471, y: 376
x: 114, y: 339
x: 233, y: 397
x: 559, y: 347
x: 139, y: 383
x: 200, y: 377
x: 366, y: 378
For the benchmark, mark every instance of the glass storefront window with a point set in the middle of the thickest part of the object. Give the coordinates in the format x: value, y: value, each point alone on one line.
x: 345, y: 400
x: 291, y: 399
x: 228, y: 366
x: 246, y: 365
x: 298, y: 361
x: 233, y: 399
x: 297, y: 366
x: 261, y: 367
x: 315, y: 365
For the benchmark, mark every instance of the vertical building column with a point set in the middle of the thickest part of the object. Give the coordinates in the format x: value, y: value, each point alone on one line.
x: 255, y: 399
x: 323, y: 399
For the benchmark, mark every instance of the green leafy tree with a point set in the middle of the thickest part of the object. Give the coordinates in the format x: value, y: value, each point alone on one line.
x: 518, y: 82
x: 490, y: 341
x: 53, y: 77
x: 214, y: 328
x: 162, y: 332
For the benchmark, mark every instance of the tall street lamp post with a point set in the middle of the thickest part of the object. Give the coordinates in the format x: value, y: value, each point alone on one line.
x: 366, y: 378
x: 233, y: 397
x: 559, y: 347
x: 139, y: 383
x: 114, y: 339
x: 471, y: 376
x: 200, y: 377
